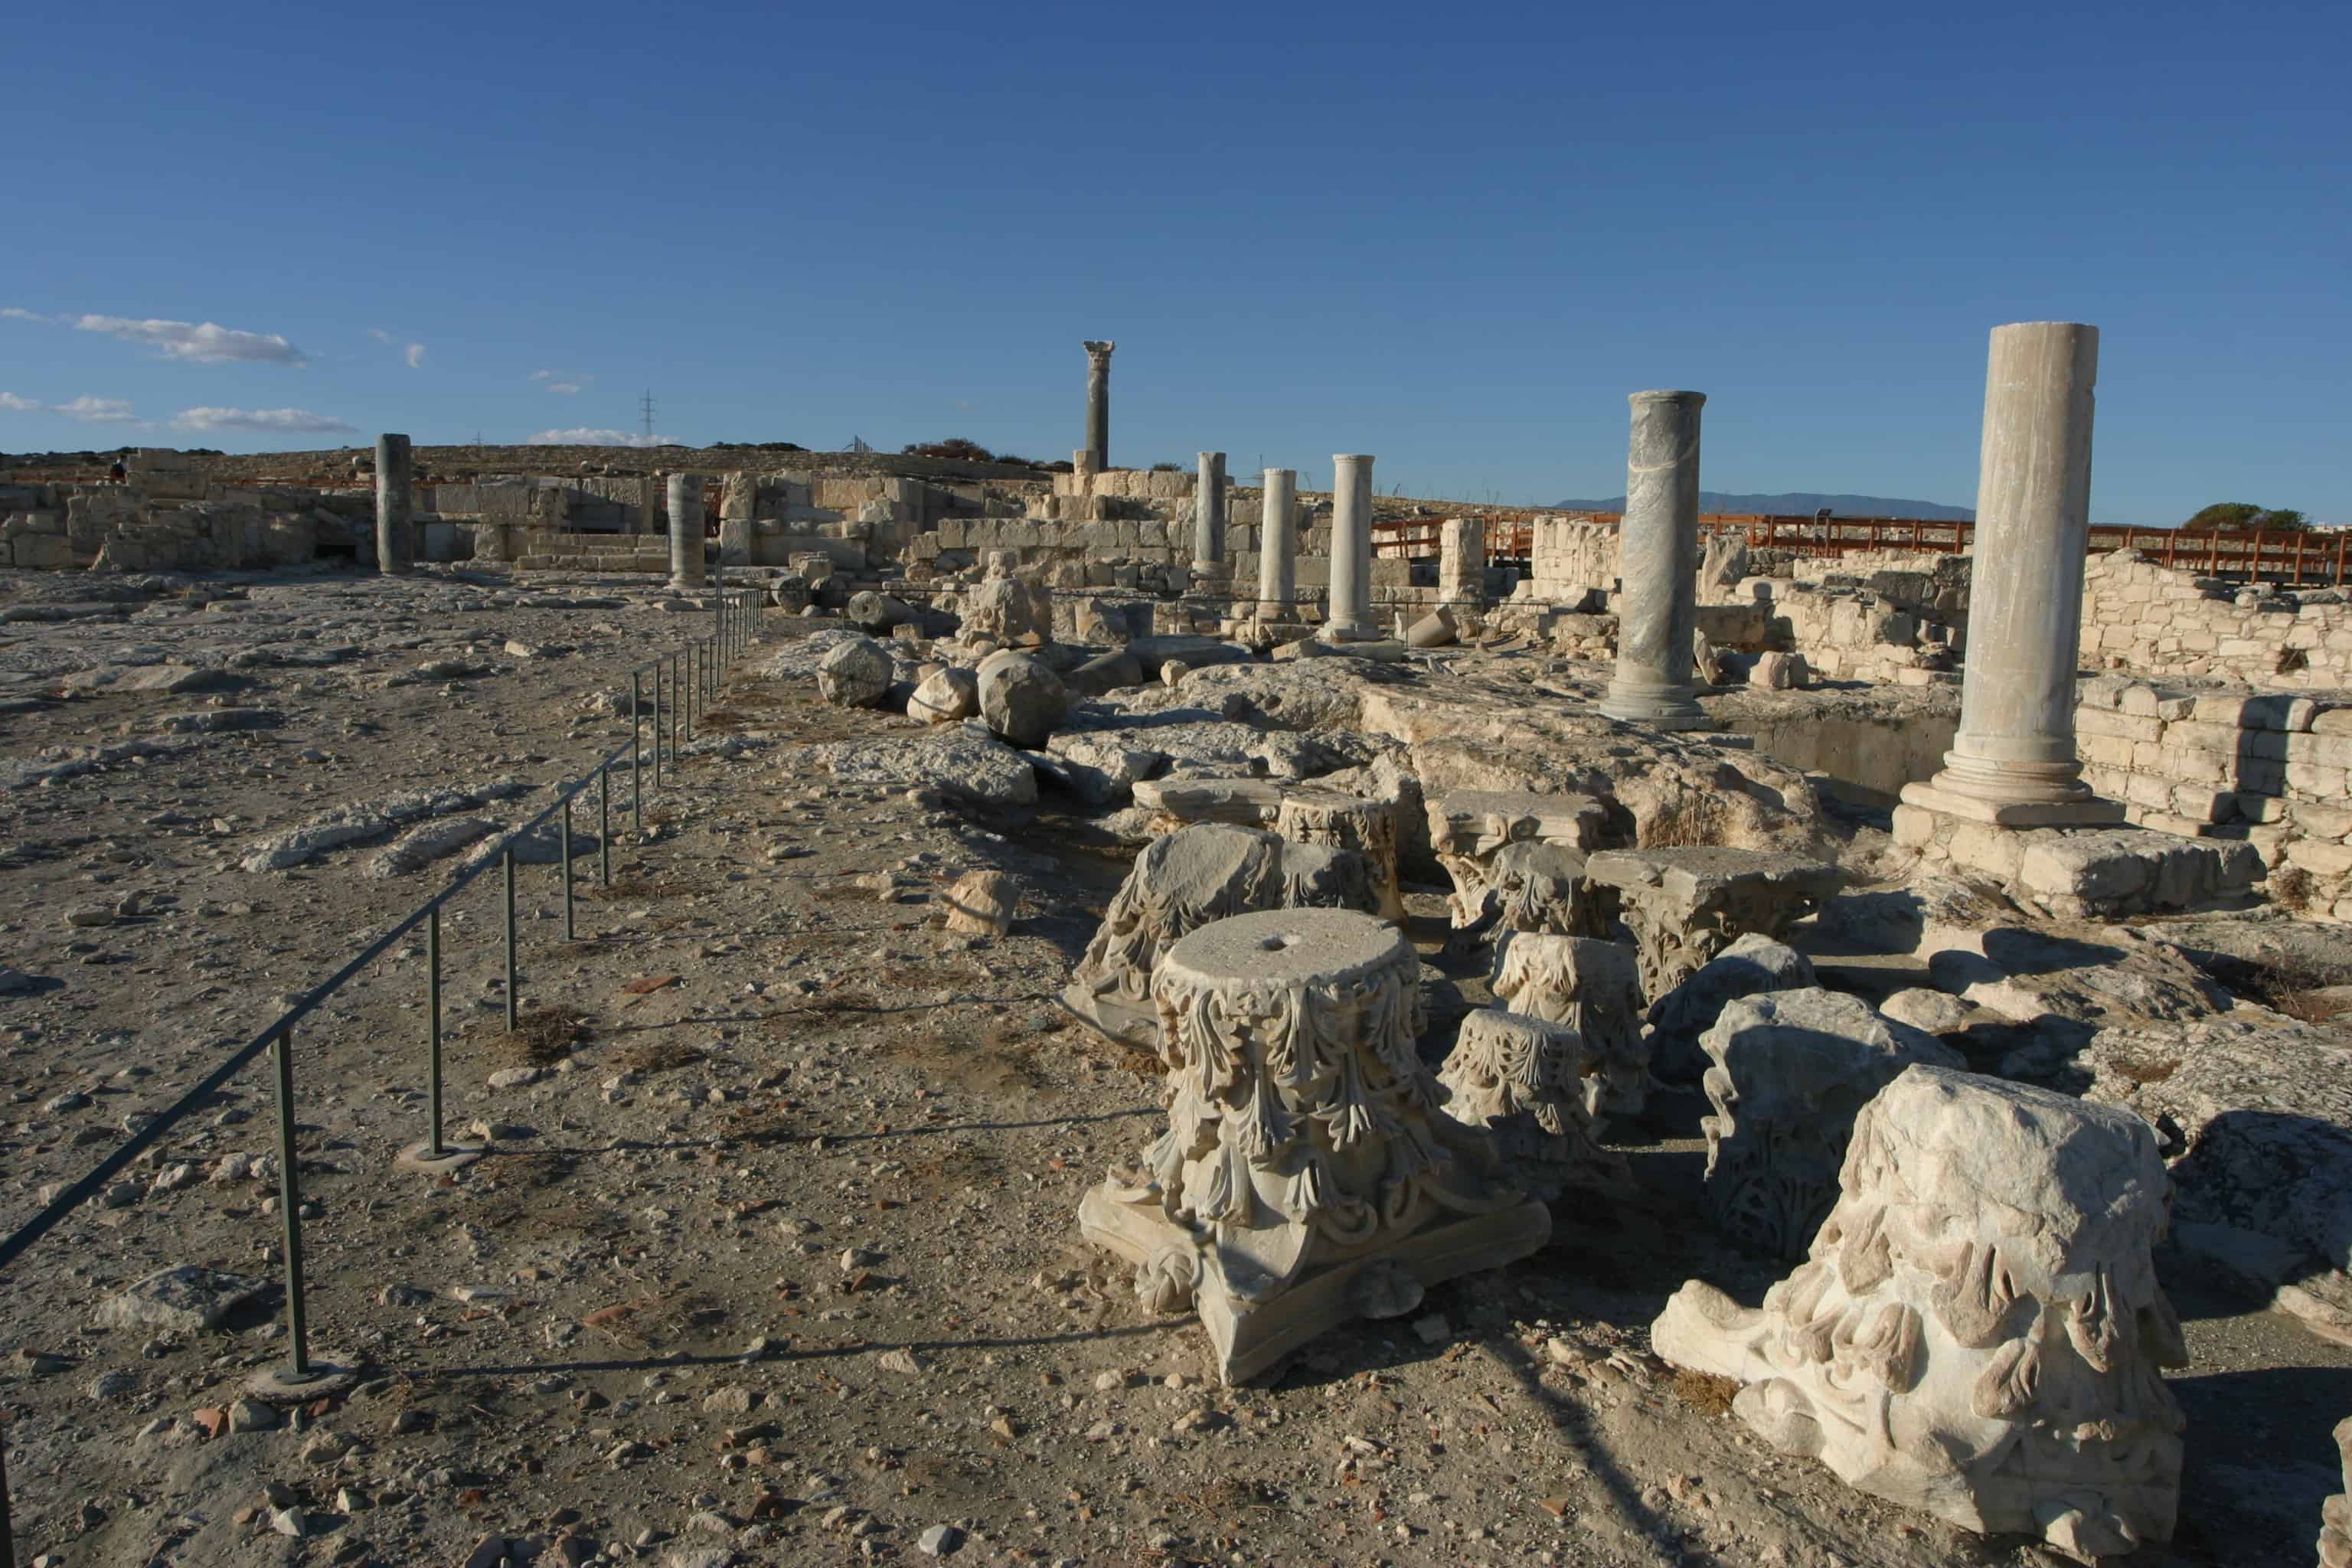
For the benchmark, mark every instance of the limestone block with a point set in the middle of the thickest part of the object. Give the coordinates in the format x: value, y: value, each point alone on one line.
x: 1021, y: 699
x: 982, y: 903
x: 1308, y: 1175
x: 1753, y: 964
x: 1592, y: 987
x: 1779, y: 672
x: 1978, y: 1332
x: 854, y: 674
x: 1686, y: 904
x: 1347, y: 822
x: 1470, y: 829
x: 945, y: 697
x: 2335, y: 1513
x: 1522, y: 1080
x: 1788, y: 1071
x: 43, y: 552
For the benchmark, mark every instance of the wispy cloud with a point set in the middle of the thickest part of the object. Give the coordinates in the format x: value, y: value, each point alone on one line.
x: 15, y: 404
x: 564, y: 383
x: 582, y: 437
x: 18, y: 313
x: 205, y: 342
x: 280, y: 420
x: 412, y: 352
x: 98, y: 410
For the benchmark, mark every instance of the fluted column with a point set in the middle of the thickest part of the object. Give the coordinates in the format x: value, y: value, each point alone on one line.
x: 686, y: 569
x: 1277, y: 535
x: 1657, y: 605
x: 1209, y: 514
x: 2014, y: 761
x: 1099, y: 403
x: 395, y: 546
x: 1351, y: 549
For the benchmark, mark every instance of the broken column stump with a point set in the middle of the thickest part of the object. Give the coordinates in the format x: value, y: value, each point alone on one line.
x: 1685, y: 904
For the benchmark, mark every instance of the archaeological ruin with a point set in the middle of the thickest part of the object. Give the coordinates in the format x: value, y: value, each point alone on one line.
x: 790, y: 1008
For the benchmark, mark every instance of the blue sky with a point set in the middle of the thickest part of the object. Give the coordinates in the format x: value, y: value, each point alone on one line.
x: 1454, y: 237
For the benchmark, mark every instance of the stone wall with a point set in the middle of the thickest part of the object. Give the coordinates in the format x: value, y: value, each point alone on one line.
x: 122, y: 527
x: 1855, y: 633
x: 2270, y: 768
x: 2149, y: 619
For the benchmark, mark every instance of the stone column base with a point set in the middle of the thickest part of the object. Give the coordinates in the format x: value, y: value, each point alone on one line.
x: 2088, y: 812
x: 2084, y: 872
x: 1656, y: 715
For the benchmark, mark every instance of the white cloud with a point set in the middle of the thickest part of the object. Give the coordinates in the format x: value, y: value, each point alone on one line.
x: 564, y: 383
x: 282, y: 420
x: 205, y: 344
x: 568, y: 388
x: 18, y: 313
x: 98, y: 410
x: 415, y: 355
x: 15, y: 404
x: 584, y: 436
x: 542, y: 374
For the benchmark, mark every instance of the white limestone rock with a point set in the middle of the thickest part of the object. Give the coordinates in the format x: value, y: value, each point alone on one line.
x: 186, y: 1298
x: 982, y: 903
x: 1788, y: 1071
x: 945, y: 697
x: 1469, y: 832
x: 1978, y: 1331
x: 958, y: 762
x: 1021, y: 699
x: 2335, y: 1513
x: 1686, y: 904
x: 1592, y: 987
x: 1522, y: 1080
x: 855, y: 674
x: 1752, y: 963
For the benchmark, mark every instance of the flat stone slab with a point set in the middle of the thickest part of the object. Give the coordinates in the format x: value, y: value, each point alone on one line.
x: 188, y: 1298
x: 957, y: 762
x: 1697, y: 872
x: 1247, y: 803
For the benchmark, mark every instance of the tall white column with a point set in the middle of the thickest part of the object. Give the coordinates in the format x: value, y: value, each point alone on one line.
x: 1351, y: 549
x: 395, y: 545
x: 2014, y: 761
x: 1277, y: 537
x: 1657, y: 606
x: 686, y: 570
x: 1209, y: 514
x: 1462, y: 561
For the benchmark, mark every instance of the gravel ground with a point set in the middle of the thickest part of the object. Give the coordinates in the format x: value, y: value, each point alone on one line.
x: 774, y: 1258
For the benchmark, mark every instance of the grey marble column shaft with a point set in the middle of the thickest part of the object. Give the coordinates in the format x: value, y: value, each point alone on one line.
x: 686, y: 568
x: 1351, y: 549
x: 1657, y: 605
x: 1277, y: 543
x: 2014, y: 755
x: 1209, y: 513
x: 394, y: 540
x: 1098, y: 402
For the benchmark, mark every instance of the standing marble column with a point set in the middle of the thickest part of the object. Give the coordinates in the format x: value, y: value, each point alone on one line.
x: 1099, y: 403
x: 1657, y: 605
x: 1209, y: 515
x: 686, y: 570
x: 394, y: 546
x: 1277, y: 545
x: 2013, y: 763
x: 1351, y: 549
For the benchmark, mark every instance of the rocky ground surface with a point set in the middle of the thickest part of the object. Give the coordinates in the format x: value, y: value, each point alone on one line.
x: 773, y: 1257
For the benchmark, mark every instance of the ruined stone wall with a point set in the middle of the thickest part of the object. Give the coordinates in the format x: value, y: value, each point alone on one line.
x: 1853, y: 633
x: 2149, y: 619
x: 120, y: 528
x: 2271, y: 768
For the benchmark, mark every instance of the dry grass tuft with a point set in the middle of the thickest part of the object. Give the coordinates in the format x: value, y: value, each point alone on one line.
x: 1704, y: 1392
x: 542, y: 1036
x: 661, y: 1055
x: 636, y: 887
x: 2146, y: 1071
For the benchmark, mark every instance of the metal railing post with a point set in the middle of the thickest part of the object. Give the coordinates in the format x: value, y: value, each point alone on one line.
x: 7, y: 1531
x: 563, y: 849
x: 433, y: 1027
x: 290, y: 1201
x: 636, y: 763
x: 510, y: 938
x: 658, y: 720
x: 605, y: 826
x: 677, y: 705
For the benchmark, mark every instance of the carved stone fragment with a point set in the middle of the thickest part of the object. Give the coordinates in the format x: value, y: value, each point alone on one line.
x: 1788, y: 1071
x: 1181, y: 882
x: 1308, y: 1175
x: 1326, y: 816
x: 1472, y: 830
x: 1686, y: 904
x: 1753, y: 964
x: 1594, y: 988
x: 1523, y: 1079
x: 1977, y: 1329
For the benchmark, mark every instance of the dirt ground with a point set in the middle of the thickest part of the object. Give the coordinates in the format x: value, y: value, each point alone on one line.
x: 774, y: 1258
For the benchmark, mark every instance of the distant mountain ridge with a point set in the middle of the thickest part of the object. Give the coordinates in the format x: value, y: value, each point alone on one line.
x: 1799, y: 504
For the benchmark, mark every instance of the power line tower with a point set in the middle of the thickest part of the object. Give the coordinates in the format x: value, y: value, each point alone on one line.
x: 645, y: 404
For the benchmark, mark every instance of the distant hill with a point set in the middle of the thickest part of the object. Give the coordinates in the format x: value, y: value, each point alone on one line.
x: 1802, y: 504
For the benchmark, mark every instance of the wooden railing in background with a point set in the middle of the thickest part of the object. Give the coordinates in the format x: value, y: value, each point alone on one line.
x: 2296, y: 559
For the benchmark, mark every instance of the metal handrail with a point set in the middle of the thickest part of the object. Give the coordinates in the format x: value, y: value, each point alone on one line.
x: 736, y: 622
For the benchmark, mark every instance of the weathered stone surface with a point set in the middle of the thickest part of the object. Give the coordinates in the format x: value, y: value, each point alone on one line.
x: 1788, y: 1071
x: 1106, y: 672
x: 1752, y: 963
x: 1686, y: 905
x: 1344, y: 822
x: 1523, y: 1079
x: 1470, y: 829
x: 1780, y: 673
x: 186, y: 1298
x: 877, y: 615
x: 1021, y: 699
x: 1177, y: 803
x: 2336, y: 1514
x: 1014, y: 608
x: 982, y: 903
x: 1307, y: 1177
x: 959, y: 762
x: 2255, y: 1111
x: 1978, y: 1332
x: 945, y: 697
x: 855, y: 674
x: 1594, y: 988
